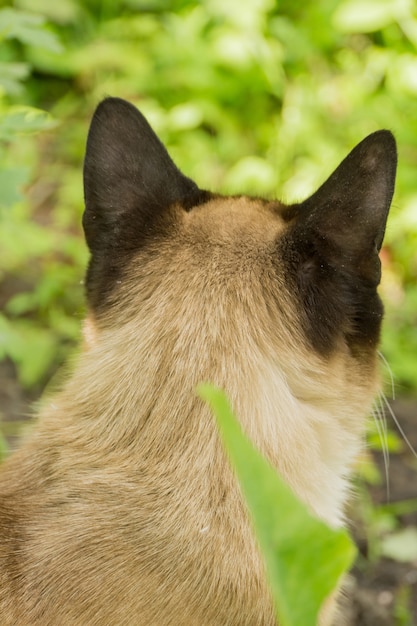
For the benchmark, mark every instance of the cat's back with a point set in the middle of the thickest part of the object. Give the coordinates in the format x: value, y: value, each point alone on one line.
x: 119, y: 545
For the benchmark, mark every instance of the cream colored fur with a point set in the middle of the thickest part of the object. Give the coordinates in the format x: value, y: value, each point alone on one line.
x: 124, y: 500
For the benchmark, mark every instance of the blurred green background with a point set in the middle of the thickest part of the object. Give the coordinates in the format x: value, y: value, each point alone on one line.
x: 257, y: 96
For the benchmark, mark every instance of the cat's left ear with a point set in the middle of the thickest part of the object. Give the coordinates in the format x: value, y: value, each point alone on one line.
x: 344, y: 221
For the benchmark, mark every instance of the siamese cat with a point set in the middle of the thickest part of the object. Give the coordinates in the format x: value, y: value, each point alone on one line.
x: 121, y: 509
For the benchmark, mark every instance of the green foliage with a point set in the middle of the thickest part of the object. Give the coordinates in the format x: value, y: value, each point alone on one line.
x: 402, y: 614
x: 384, y: 533
x: 305, y: 559
x: 256, y: 96
x: 18, y: 120
x: 35, y: 325
x: 28, y: 29
x: 401, y: 545
x: 260, y: 97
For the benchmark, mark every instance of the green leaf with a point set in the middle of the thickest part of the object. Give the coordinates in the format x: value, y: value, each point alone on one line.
x: 31, y: 348
x: 367, y: 16
x: 304, y: 558
x: 24, y: 119
x: 28, y: 28
x: 251, y: 175
x: 401, y: 545
x: 12, y: 75
x: 62, y: 12
x: 388, y: 440
x: 11, y: 183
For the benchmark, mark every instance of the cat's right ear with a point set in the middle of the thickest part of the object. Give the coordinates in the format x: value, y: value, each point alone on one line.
x: 129, y: 178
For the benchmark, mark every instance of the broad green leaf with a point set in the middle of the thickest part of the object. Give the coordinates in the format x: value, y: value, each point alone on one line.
x: 305, y: 559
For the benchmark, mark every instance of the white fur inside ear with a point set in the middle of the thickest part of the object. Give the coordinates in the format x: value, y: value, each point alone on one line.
x: 89, y: 332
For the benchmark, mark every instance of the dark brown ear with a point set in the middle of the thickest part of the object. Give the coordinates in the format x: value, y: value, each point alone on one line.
x: 347, y: 215
x: 333, y: 241
x: 129, y: 178
x: 129, y: 183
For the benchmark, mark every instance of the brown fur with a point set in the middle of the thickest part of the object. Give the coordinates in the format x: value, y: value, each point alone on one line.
x: 120, y: 508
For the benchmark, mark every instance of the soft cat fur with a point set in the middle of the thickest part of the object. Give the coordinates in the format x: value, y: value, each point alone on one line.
x: 121, y: 509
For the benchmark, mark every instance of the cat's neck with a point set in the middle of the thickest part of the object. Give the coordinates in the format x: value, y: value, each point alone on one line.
x: 141, y: 395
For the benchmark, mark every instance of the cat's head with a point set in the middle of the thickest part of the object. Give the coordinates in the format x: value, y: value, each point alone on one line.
x: 236, y: 274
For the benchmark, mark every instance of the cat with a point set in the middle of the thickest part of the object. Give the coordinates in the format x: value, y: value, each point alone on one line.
x: 120, y: 508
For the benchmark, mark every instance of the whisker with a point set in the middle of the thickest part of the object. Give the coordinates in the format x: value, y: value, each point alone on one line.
x: 390, y: 373
x: 398, y: 425
x: 379, y: 418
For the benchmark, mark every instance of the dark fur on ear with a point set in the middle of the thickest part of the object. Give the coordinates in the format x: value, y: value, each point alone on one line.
x: 129, y: 182
x: 333, y: 244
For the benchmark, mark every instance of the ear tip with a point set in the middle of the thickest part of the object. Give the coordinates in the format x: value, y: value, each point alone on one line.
x: 385, y: 136
x: 378, y: 153
x: 111, y: 105
x: 115, y: 119
x: 384, y: 140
